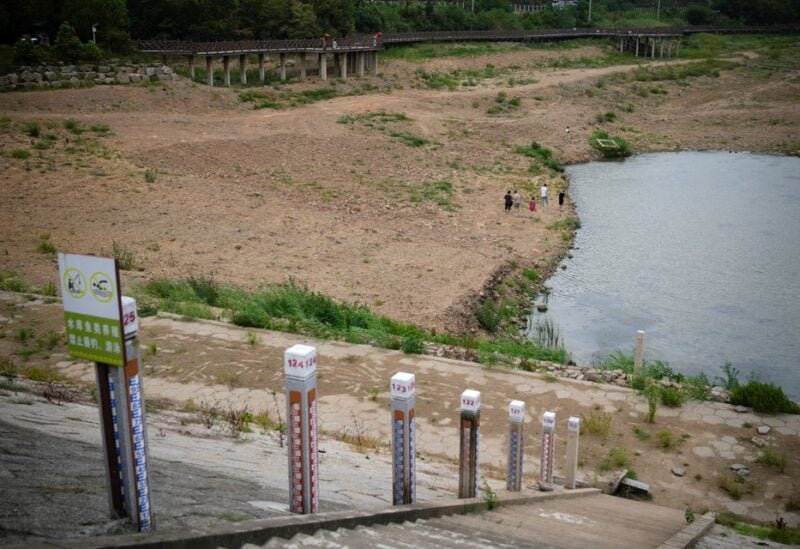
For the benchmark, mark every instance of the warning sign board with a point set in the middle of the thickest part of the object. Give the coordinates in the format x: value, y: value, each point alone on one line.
x: 92, y: 304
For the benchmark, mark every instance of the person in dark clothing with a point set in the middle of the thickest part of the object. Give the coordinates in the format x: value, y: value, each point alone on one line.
x: 561, y: 196
x: 509, y: 201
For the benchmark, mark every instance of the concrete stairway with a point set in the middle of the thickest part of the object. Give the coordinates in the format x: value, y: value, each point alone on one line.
x: 593, y: 521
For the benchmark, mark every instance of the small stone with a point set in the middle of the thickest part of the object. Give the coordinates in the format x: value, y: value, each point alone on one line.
x: 741, y: 409
x: 737, y: 466
x: 743, y: 472
x: 763, y: 429
x: 678, y: 471
x: 758, y: 441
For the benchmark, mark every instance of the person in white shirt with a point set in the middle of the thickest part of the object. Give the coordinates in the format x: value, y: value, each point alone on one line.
x: 543, y: 194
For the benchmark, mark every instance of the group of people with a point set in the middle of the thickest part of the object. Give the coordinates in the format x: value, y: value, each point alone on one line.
x: 514, y: 201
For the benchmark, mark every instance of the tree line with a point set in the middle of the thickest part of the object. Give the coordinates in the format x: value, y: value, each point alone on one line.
x: 117, y: 22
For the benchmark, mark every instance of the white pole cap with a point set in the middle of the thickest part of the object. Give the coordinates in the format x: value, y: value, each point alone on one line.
x: 574, y: 425
x: 300, y: 361
x: 516, y: 411
x: 403, y: 385
x: 470, y: 401
x: 549, y: 420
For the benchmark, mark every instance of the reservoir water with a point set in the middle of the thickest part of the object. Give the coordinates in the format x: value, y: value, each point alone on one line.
x: 699, y: 249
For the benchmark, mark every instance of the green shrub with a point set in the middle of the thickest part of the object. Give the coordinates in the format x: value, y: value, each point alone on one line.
x: 596, y: 423
x: 32, y: 129
x: 413, y: 346
x: 617, y: 459
x: 531, y: 274
x: 28, y: 52
x: 763, y: 397
x: 488, y: 315
x: 126, y: 259
x: 672, y: 397
x: 609, y: 146
x: 44, y: 245
x: 769, y: 456
x: 20, y: 154
x: 12, y: 282
x: 666, y: 439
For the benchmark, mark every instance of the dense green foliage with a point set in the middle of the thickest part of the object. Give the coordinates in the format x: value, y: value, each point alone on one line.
x: 292, y: 307
x: 118, y: 20
x: 609, y: 146
x: 763, y: 397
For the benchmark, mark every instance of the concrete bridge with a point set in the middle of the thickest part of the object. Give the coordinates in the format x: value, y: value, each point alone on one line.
x: 361, y: 51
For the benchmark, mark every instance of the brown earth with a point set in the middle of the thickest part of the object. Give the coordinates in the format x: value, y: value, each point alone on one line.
x: 252, y: 196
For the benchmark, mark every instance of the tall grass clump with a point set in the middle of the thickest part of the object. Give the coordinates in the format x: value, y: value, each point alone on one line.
x: 609, y: 146
x: 764, y: 397
x: 543, y: 154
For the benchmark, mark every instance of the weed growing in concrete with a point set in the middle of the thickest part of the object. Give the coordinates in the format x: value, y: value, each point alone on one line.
x: 617, y: 459
x: 734, y: 485
x: 208, y: 413
x: 57, y: 393
x: 489, y: 495
x: 769, y: 456
x: 597, y: 423
x: 666, y: 439
x: 252, y: 338
x: 45, y: 374
x: 236, y: 420
x: 689, y: 515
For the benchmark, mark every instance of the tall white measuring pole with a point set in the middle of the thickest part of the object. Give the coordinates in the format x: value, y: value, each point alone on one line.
x: 300, y: 368
x: 548, y: 451
x: 516, y: 421
x: 573, y: 434
x: 403, y: 391
x: 469, y: 427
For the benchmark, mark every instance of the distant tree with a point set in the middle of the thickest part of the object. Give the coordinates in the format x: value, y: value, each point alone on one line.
x: 698, y: 15
x: 68, y: 46
x: 27, y: 52
x: 368, y: 18
x: 109, y: 15
x: 336, y: 17
x: 302, y: 23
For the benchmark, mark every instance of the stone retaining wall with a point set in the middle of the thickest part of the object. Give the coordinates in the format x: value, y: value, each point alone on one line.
x: 74, y: 76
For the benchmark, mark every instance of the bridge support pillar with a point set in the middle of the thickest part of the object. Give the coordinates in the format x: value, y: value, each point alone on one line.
x: 661, y: 49
x: 302, y: 66
x: 190, y: 62
x: 375, y: 62
x: 226, y: 69
x: 620, y: 45
x: 164, y: 59
x: 360, y: 63
x: 323, y: 66
x: 243, y: 69
x: 652, y: 48
x: 637, y: 47
x: 261, y: 68
x: 283, y: 66
x: 342, y: 65
x: 210, y: 70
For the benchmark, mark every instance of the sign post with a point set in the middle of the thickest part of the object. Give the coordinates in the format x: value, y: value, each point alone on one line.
x: 403, y: 391
x: 638, y: 355
x: 548, y: 452
x: 102, y: 326
x: 516, y: 420
x: 468, y: 453
x: 573, y: 434
x: 300, y: 368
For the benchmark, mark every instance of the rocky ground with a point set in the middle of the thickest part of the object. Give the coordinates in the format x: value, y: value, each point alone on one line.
x: 685, y: 456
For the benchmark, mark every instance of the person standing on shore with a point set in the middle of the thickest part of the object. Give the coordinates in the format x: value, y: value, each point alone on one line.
x: 508, y: 200
x: 543, y: 194
x: 517, y: 201
x: 532, y: 206
x: 561, y: 196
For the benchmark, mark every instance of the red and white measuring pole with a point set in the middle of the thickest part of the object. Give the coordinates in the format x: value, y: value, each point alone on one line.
x: 548, y: 451
x: 516, y: 445
x: 122, y: 414
x: 469, y: 427
x: 300, y: 368
x: 403, y: 390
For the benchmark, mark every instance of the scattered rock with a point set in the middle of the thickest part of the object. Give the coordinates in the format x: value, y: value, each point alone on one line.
x: 758, y: 441
x: 678, y: 471
x: 743, y: 472
x: 737, y: 466
x: 764, y: 429
x: 741, y: 409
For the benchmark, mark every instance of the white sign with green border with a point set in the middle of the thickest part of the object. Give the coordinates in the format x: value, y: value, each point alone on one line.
x: 90, y: 290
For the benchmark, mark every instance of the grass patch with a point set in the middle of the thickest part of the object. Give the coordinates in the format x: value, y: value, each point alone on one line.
x: 438, y: 192
x: 571, y: 223
x: 666, y: 439
x: 641, y: 434
x: 11, y: 281
x: 543, y: 154
x: 44, y: 374
x: 44, y: 245
x: 20, y: 154
x: 763, y: 397
x: 769, y: 456
x: 609, y: 146
x: 617, y: 459
x: 597, y: 423
x: 126, y: 259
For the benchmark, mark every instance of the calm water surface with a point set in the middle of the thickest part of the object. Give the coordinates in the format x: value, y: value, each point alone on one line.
x: 699, y: 249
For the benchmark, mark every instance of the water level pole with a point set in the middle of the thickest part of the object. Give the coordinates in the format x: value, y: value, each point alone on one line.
x: 468, y: 453
x: 638, y: 356
x: 403, y: 391
x: 126, y: 408
x: 300, y: 368
x: 548, y: 452
x: 516, y: 421
x: 573, y: 434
